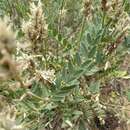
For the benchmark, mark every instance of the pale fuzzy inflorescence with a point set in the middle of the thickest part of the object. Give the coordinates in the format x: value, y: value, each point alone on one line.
x: 7, y: 46
x: 7, y: 37
x: 8, y: 120
x: 47, y: 75
x: 36, y: 28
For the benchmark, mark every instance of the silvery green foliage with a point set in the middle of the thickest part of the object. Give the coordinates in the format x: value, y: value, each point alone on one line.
x: 68, y: 83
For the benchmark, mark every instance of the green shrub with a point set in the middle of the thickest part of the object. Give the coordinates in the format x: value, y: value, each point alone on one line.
x: 65, y: 71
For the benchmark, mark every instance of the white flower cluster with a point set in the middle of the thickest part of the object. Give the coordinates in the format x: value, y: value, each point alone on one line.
x: 48, y: 75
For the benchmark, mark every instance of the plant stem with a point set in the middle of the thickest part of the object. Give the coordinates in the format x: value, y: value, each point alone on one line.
x: 59, y: 26
x: 81, y: 31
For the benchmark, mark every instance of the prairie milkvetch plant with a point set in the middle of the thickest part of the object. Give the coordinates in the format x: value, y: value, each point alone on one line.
x: 65, y: 72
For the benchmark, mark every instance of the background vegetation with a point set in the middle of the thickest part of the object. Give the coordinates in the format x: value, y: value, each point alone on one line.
x: 64, y: 64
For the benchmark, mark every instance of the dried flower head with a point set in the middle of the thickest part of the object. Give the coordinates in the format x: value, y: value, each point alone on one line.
x: 8, y: 121
x: 36, y: 28
x: 7, y: 67
x: 104, y: 5
x: 47, y: 75
x: 115, y: 8
x: 7, y: 46
x: 7, y: 38
x: 87, y: 10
